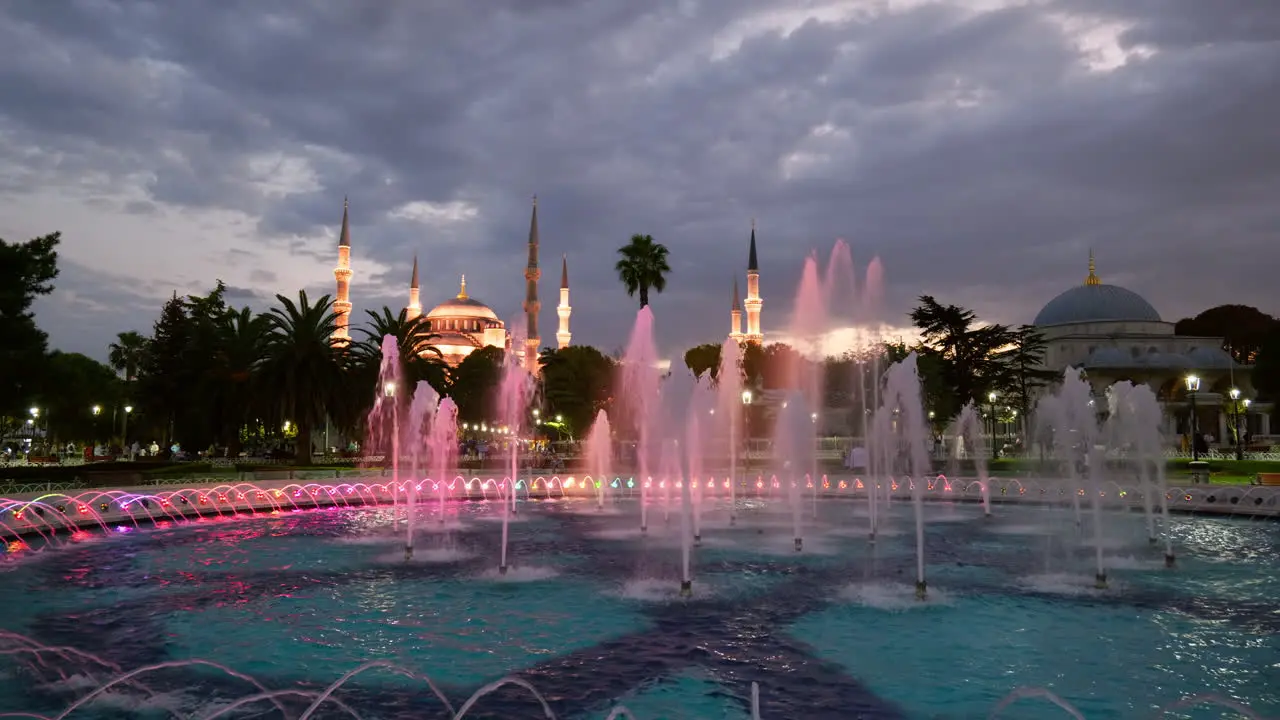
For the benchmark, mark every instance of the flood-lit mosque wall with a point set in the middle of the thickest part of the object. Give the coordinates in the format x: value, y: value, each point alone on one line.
x: 463, y: 323
x: 1114, y: 334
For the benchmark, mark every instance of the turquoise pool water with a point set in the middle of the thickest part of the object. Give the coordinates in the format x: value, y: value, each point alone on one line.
x: 590, y: 616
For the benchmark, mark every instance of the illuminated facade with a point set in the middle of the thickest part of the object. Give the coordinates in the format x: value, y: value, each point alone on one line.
x: 342, y: 274
x: 563, y: 336
x: 463, y: 323
x: 752, y: 305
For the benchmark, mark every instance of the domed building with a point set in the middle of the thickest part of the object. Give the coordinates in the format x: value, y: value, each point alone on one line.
x: 464, y: 325
x: 1114, y: 334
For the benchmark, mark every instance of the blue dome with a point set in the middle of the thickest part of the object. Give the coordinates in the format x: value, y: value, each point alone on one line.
x: 1096, y: 303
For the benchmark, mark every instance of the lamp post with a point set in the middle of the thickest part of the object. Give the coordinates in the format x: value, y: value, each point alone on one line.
x: 35, y: 427
x: 124, y: 431
x: 991, y: 398
x: 1193, y: 387
x: 97, y: 410
x: 1235, y: 421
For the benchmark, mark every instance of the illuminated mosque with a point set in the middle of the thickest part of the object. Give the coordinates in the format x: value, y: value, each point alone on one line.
x: 465, y: 324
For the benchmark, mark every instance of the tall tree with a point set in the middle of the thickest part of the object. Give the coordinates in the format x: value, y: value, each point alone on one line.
x: 475, y: 384
x: 163, y: 378
x: 420, y: 359
x: 968, y: 352
x: 27, y: 270
x: 302, y: 369
x: 125, y: 354
x: 643, y: 266
x: 577, y: 383
x: 1023, y: 367
x: 74, y: 386
x: 242, y: 346
x: 703, y: 359
x: 1243, y: 329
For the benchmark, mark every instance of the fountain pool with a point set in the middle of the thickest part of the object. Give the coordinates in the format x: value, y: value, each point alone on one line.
x: 589, y: 613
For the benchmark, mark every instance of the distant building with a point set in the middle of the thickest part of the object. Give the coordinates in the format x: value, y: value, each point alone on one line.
x: 464, y: 323
x: 1114, y: 334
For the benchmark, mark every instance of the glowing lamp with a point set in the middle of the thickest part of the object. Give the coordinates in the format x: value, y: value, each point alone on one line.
x: 991, y: 396
x: 1193, y: 383
x: 97, y: 409
x: 389, y: 388
x: 128, y: 408
x: 35, y: 412
x: 746, y: 397
x: 1235, y: 393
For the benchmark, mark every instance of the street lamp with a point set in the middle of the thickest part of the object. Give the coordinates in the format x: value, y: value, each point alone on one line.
x: 389, y: 388
x: 995, y: 451
x: 124, y: 431
x: 1193, y: 387
x: 1235, y: 410
x: 97, y: 410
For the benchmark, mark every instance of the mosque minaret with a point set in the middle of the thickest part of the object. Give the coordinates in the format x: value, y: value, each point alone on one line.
x: 753, y: 303
x: 563, y: 336
x: 414, y: 309
x: 531, y: 304
x: 342, y: 303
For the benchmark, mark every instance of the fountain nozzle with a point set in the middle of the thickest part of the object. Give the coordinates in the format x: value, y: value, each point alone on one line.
x: 799, y: 544
x: 502, y: 569
x: 408, y: 553
x: 686, y: 588
x: 1100, y: 581
x: 697, y: 540
x: 1169, y: 560
x: 922, y: 590
x: 733, y: 519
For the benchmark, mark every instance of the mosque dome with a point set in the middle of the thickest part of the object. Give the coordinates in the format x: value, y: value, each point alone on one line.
x: 464, y: 307
x: 1095, y: 302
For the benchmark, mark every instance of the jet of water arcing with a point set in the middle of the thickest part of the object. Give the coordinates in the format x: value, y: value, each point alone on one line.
x: 902, y: 415
x: 513, y: 400
x: 1075, y: 425
x: 421, y: 410
x: 599, y: 452
x: 639, y: 383
x: 1134, y: 426
x: 443, y: 446
x: 968, y: 428
x: 730, y: 409
x: 384, y: 418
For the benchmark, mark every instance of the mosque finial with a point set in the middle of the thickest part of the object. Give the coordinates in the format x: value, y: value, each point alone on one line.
x: 1093, y: 272
x: 462, y: 292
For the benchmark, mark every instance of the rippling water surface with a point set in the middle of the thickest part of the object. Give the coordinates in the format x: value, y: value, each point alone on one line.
x: 589, y: 614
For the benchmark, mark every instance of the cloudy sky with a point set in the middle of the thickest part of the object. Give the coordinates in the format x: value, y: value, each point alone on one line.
x: 978, y: 147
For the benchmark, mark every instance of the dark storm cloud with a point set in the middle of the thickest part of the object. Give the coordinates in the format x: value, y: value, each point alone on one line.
x: 976, y: 152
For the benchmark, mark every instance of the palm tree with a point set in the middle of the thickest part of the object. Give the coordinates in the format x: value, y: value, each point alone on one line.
x: 643, y: 266
x: 420, y: 359
x: 301, y: 368
x: 242, y: 347
x: 126, y: 354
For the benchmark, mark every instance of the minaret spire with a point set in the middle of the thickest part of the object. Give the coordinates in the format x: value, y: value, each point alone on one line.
x: 753, y: 303
x: 462, y: 291
x: 414, y: 309
x: 342, y: 274
x: 531, y: 304
x: 344, y: 236
x: 563, y: 336
x: 1093, y: 272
